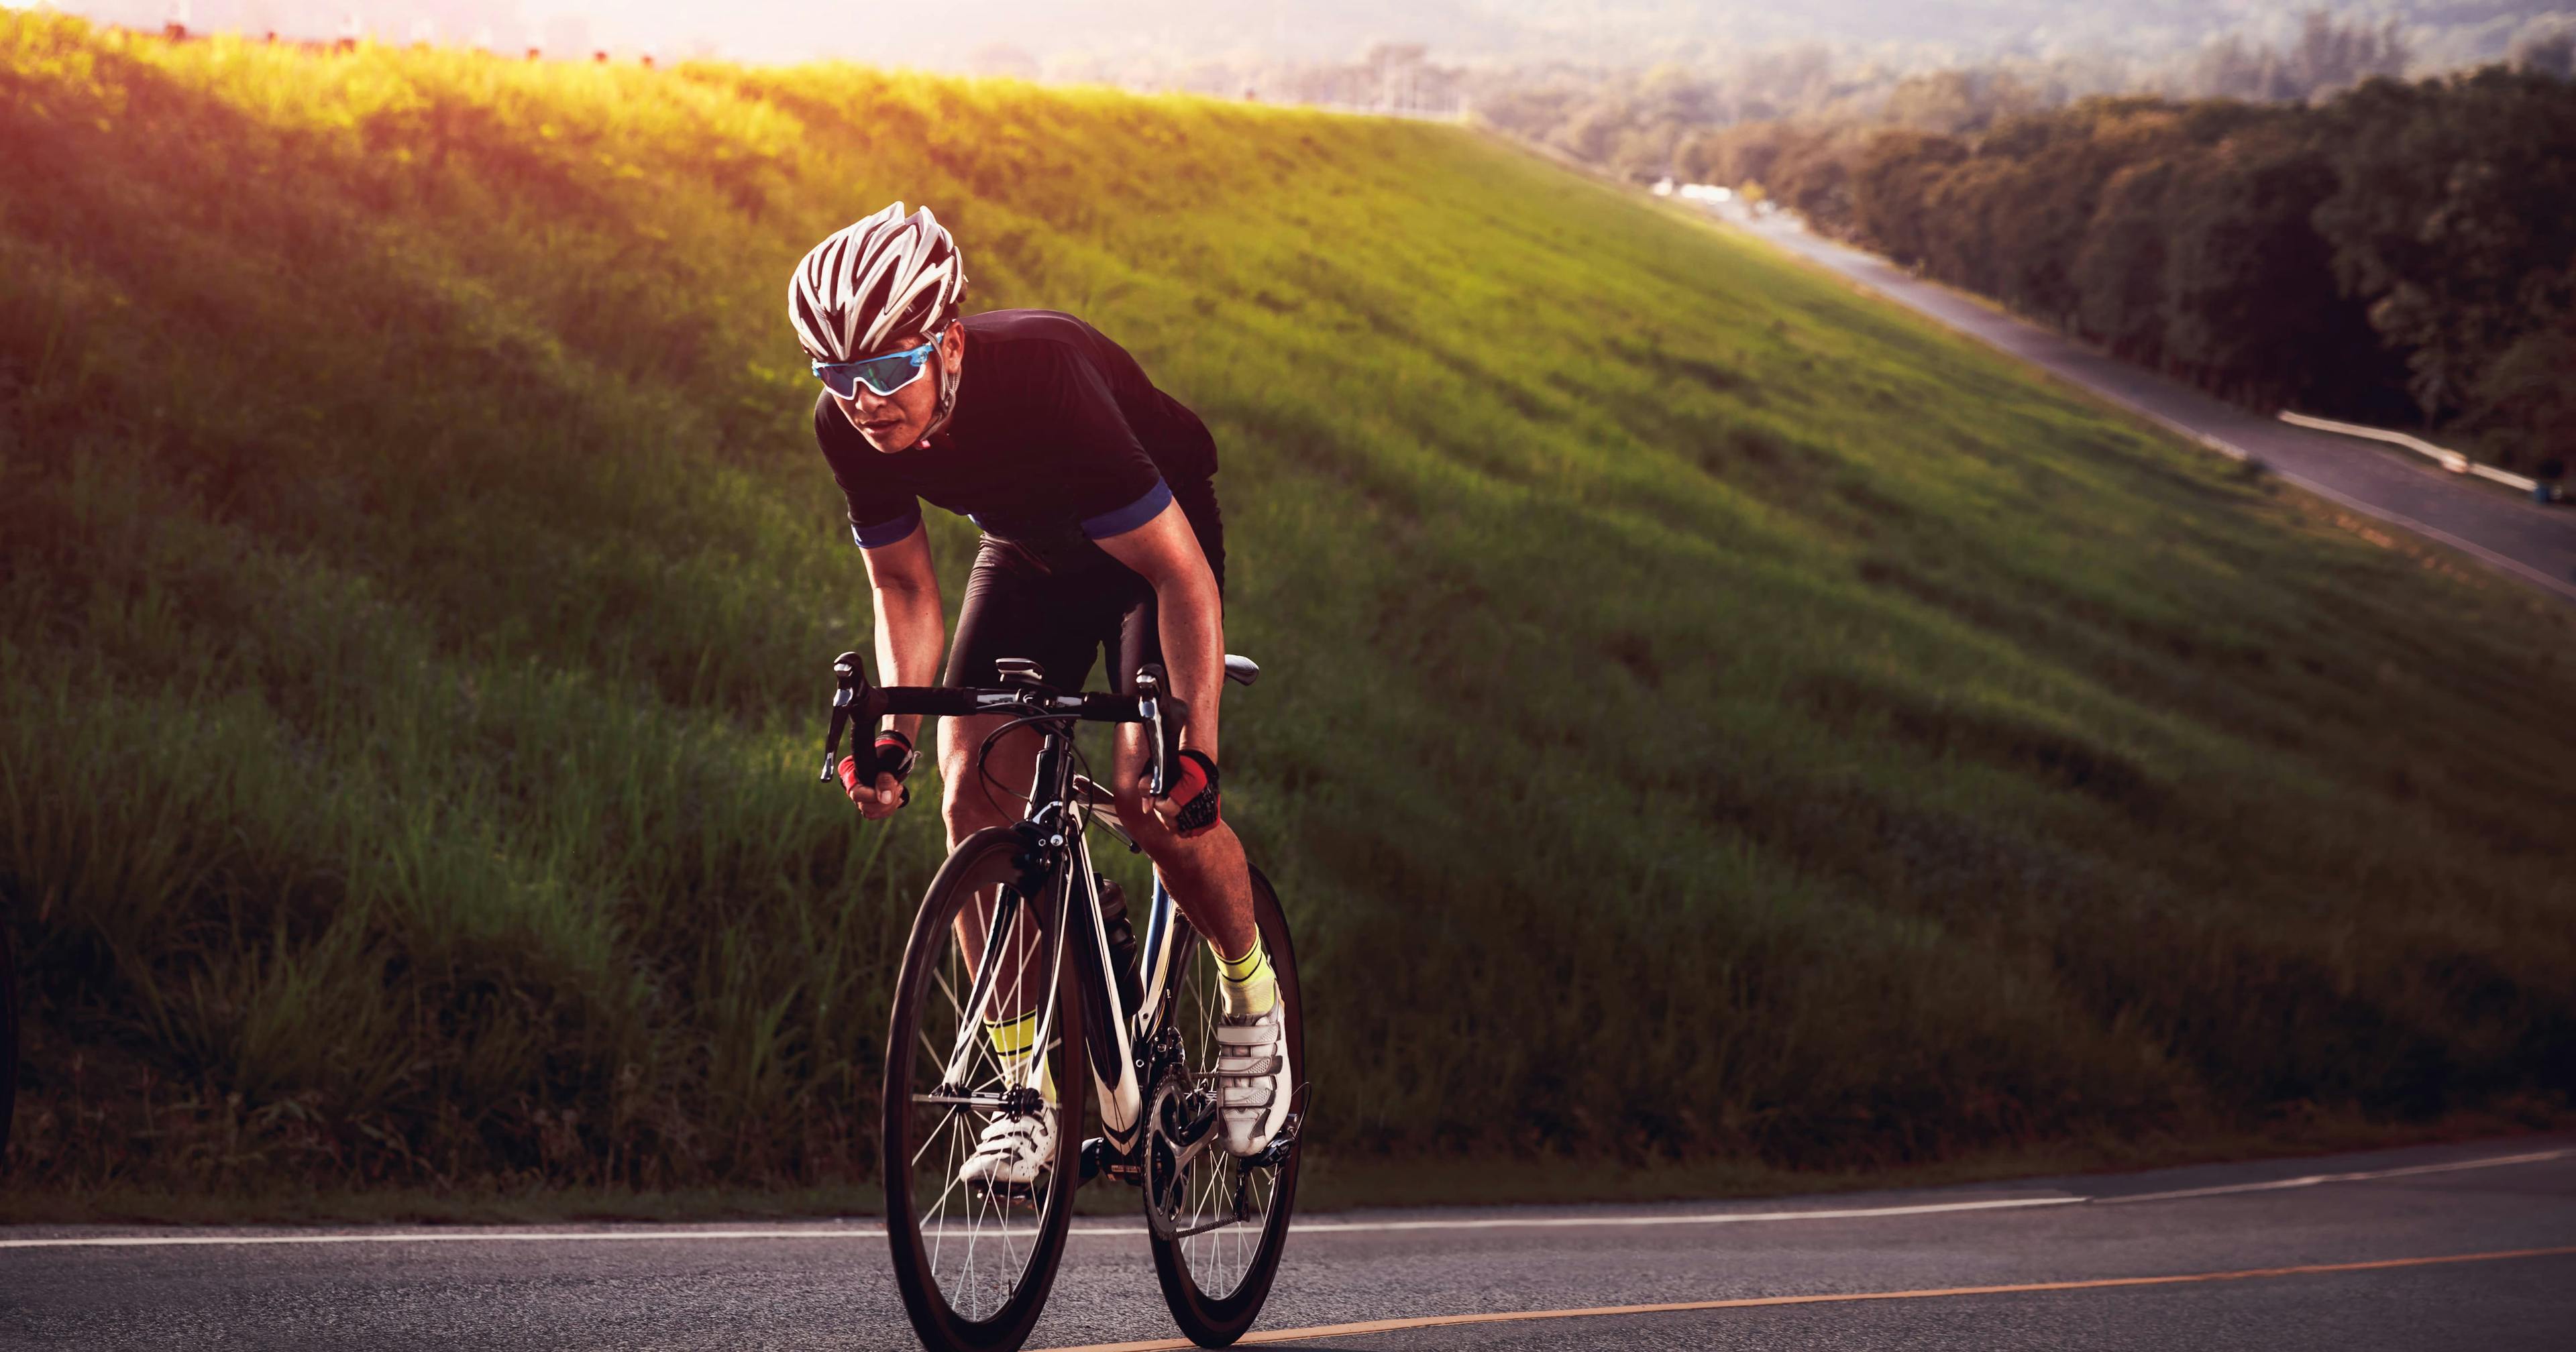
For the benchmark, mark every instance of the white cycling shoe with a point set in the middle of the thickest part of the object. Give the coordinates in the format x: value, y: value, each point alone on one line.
x: 1012, y: 1152
x: 1252, y: 1079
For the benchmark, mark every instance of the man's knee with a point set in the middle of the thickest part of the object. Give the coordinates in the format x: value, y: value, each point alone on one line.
x: 971, y: 798
x: 965, y: 812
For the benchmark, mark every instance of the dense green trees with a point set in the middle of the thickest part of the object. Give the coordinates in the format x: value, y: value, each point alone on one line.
x: 2401, y: 252
x: 2456, y: 215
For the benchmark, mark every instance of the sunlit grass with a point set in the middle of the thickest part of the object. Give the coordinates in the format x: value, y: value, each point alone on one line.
x: 1709, y: 715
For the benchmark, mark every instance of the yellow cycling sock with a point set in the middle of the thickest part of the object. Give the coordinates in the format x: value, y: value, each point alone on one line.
x: 1013, y: 1041
x: 1251, y: 984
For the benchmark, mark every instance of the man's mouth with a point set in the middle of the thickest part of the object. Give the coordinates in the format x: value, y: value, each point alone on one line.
x: 880, y: 425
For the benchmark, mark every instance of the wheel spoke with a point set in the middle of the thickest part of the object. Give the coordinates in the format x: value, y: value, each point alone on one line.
x: 979, y: 1243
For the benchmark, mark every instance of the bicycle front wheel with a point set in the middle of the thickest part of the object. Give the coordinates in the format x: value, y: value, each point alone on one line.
x: 972, y: 1051
x: 1216, y: 1280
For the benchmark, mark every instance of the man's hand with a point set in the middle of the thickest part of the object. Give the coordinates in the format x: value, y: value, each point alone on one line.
x: 875, y: 784
x: 1191, y: 808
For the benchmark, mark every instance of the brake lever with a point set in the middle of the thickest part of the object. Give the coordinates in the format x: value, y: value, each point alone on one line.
x: 850, y: 677
x: 1150, y: 705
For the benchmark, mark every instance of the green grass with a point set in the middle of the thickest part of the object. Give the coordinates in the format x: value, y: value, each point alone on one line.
x: 1714, y: 721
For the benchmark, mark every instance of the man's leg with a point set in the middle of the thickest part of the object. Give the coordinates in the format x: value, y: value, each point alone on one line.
x: 1209, y: 879
x: 1010, y: 1151
x: 972, y: 801
x: 1206, y: 872
x: 1009, y: 610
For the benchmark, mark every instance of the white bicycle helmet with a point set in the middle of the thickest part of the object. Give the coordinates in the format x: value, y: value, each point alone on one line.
x: 884, y: 277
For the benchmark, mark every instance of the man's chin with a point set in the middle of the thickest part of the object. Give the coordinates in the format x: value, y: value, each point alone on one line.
x: 884, y: 442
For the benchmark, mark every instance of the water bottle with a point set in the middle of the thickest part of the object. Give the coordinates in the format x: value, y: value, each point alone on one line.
x: 1122, y: 944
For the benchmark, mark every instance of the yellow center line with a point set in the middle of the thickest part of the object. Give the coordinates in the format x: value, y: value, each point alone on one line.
x: 1831, y: 1298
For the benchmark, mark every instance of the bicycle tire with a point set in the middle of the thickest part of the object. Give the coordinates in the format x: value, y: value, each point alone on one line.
x: 984, y: 859
x: 1217, y: 1320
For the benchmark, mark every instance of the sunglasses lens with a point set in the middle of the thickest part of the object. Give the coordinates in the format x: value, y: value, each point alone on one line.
x: 885, y: 375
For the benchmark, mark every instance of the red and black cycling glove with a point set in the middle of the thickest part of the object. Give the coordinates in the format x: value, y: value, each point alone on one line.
x: 1194, y: 787
x: 893, y: 755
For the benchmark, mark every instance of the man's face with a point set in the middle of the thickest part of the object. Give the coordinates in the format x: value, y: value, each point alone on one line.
x: 896, y: 422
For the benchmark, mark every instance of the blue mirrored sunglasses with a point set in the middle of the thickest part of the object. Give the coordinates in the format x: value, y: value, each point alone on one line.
x: 884, y: 375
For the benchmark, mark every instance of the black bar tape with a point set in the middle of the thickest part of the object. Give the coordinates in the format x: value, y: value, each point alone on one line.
x: 894, y: 755
x: 930, y: 701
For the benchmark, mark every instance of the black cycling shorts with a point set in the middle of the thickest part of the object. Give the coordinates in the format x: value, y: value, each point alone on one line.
x: 1018, y: 607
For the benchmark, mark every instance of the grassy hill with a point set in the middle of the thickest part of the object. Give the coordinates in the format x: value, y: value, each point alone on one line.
x: 1711, y: 716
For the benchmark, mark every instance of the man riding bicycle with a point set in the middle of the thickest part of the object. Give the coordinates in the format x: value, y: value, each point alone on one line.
x: 1100, y: 531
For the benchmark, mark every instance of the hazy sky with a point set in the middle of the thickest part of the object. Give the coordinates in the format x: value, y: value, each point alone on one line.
x: 952, y: 32
x: 787, y: 30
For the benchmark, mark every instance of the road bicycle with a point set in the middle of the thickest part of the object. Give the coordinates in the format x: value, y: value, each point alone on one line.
x: 1018, y: 932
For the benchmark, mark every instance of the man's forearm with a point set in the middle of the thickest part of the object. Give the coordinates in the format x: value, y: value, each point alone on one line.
x: 1193, y: 631
x: 910, y: 634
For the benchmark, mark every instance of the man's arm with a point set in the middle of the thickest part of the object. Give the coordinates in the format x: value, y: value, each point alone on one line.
x: 910, y: 632
x: 1166, y: 554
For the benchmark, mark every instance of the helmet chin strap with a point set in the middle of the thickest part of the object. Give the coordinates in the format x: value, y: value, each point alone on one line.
x: 947, y: 406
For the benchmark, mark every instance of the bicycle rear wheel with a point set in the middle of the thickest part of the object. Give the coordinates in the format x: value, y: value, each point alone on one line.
x: 1215, y: 1282
x: 975, y: 1262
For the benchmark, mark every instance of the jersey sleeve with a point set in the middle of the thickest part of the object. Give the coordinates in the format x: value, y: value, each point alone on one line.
x: 1111, y: 484
x: 881, y: 512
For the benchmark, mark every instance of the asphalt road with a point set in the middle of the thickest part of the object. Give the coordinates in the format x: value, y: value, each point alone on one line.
x: 2419, y: 1248
x: 2516, y: 536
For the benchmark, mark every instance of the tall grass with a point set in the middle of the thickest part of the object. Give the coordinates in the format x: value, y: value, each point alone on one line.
x: 1709, y: 713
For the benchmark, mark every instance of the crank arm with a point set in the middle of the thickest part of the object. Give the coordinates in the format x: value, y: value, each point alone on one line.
x: 1218, y: 1224
x: 991, y: 1103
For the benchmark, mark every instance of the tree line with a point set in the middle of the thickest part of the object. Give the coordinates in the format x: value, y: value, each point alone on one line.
x: 2401, y: 253
x: 1639, y: 122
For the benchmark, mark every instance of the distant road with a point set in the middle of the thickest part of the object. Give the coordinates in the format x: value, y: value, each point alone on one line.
x: 2438, y: 1247
x: 2520, y: 538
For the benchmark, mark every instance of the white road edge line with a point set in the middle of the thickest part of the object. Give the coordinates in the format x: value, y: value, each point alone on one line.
x: 878, y: 1231
x: 1696, y: 1218
x: 458, y: 1236
x: 2312, y: 1180
x: 467, y: 1236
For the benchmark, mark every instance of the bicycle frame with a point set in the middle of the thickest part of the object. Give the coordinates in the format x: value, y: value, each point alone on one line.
x: 1121, y: 1097
x: 1062, y: 808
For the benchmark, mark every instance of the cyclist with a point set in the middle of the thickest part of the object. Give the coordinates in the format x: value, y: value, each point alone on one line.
x: 1094, y: 493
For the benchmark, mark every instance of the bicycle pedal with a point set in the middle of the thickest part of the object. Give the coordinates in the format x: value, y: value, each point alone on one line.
x: 1100, y: 1157
x: 1276, y: 1153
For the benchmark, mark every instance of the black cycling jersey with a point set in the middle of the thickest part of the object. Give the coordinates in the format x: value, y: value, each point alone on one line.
x: 1058, y: 440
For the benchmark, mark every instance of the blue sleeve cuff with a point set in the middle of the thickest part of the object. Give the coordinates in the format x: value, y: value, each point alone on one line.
x: 885, y: 533
x: 1131, y: 516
